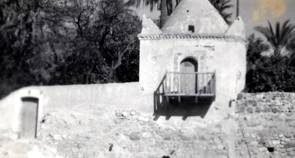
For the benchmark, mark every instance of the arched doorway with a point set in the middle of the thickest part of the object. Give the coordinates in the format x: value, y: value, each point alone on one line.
x: 188, y: 79
x: 29, y: 117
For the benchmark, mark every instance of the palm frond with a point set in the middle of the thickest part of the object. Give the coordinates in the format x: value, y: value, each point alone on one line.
x: 287, y: 32
x: 272, y: 35
x: 222, y: 6
x: 277, y: 33
x: 264, y: 31
x: 281, y: 37
x: 132, y: 3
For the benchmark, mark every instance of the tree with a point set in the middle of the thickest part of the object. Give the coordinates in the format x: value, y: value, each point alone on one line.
x: 280, y: 38
x: 274, y: 72
x: 47, y: 43
x: 268, y: 73
x: 105, y: 48
x: 18, y: 39
x: 118, y: 27
x: 167, y: 7
x: 255, y: 64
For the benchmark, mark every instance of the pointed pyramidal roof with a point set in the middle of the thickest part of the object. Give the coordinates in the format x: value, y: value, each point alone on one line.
x: 237, y: 28
x: 197, y: 16
x: 149, y: 27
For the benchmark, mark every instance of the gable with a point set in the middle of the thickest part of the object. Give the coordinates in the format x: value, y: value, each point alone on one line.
x: 200, y: 14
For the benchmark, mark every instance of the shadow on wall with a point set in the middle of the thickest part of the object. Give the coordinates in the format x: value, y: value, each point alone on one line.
x: 184, y: 106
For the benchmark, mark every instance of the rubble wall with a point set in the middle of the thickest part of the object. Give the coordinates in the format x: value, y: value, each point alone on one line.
x: 266, y: 125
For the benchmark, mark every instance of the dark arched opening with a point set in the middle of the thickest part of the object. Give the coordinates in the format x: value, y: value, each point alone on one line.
x: 192, y: 61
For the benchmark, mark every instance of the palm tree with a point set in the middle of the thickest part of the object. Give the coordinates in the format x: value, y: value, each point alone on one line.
x: 280, y: 38
x: 167, y: 7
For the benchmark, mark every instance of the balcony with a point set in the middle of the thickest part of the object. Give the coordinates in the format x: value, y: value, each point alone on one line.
x: 185, y: 94
x: 177, y: 84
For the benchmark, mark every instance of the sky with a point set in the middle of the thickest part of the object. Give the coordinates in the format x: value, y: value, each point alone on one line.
x: 254, y: 12
x: 258, y: 12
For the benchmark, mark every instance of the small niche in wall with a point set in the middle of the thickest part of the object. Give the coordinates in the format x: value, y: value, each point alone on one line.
x: 270, y: 149
x: 191, y: 28
x: 29, y: 117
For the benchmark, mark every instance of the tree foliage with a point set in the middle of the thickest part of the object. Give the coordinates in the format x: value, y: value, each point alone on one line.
x: 273, y: 72
x: 47, y: 42
x: 280, y: 38
x: 18, y: 40
x: 106, y: 40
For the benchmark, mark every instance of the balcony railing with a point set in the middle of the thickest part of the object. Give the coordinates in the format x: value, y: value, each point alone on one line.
x: 187, y: 84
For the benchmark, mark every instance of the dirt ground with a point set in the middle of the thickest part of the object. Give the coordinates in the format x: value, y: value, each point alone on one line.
x: 99, y: 133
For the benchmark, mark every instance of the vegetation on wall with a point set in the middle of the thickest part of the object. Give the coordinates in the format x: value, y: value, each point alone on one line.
x: 271, y: 62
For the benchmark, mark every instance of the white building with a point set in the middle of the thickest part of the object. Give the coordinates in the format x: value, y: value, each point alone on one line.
x: 195, y: 54
x: 194, y: 57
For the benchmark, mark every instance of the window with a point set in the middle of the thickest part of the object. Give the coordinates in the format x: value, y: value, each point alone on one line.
x: 191, y: 28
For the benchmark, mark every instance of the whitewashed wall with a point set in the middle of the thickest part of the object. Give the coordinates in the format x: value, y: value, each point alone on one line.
x: 126, y: 96
x: 226, y: 57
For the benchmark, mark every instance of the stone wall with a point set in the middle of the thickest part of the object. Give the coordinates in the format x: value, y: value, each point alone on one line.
x: 266, y: 125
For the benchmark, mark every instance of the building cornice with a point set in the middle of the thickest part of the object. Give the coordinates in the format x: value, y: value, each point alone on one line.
x: 168, y: 36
